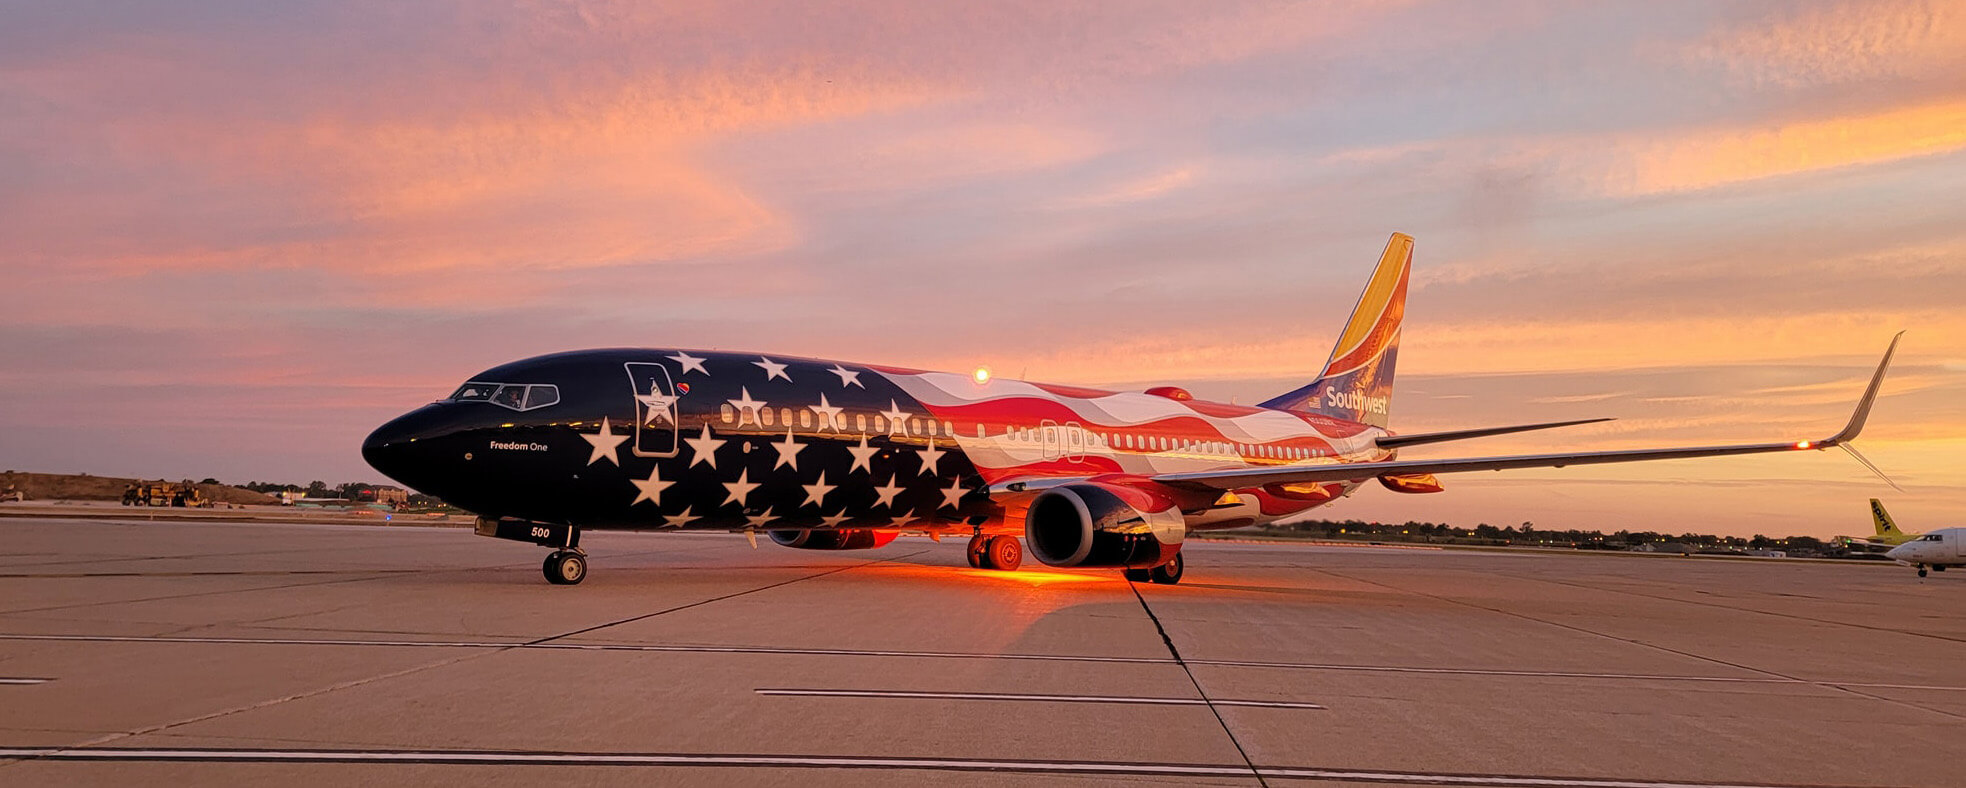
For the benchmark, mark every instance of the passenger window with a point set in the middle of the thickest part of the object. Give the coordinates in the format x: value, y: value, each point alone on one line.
x: 728, y: 413
x: 860, y: 422
x: 765, y: 416
x: 805, y: 419
x: 785, y: 416
x: 542, y: 396
x: 880, y: 424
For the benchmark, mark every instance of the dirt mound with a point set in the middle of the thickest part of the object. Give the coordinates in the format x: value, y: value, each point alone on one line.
x: 81, y: 487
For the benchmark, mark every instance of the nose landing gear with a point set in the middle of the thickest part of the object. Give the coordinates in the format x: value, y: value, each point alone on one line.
x: 566, y: 567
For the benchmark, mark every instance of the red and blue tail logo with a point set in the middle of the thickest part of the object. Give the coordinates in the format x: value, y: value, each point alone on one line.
x: 1357, y: 382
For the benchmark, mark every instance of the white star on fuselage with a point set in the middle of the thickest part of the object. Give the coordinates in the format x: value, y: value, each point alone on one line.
x: 758, y: 520
x: 740, y: 490
x: 897, y: 419
x: 788, y: 451
x: 848, y: 377
x: 747, y: 408
x: 863, y: 455
x: 658, y: 407
x: 931, y: 459
x: 606, y: 443
x: 650, y: 488
x: 772, y: 369
x: 683, y: 519
x: 834, y: 520
x: 816, y: 492
x: 828, y: 413
x: 887, y: 493
x: 952, y: 497
x: 704, y: 449
x: 688, y: 363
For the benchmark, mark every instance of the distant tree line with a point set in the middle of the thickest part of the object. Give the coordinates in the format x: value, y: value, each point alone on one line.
x: 1527, y: 534
x: 353, y: 491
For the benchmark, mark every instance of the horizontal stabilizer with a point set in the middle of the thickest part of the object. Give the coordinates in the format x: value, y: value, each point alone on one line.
x: 1396, y: 441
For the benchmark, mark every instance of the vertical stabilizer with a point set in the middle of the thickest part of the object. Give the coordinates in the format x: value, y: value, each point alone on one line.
x: 1357, y: 381
x: 1885, y: 527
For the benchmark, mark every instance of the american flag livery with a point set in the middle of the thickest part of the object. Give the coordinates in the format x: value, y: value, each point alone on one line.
x: 827, y: 455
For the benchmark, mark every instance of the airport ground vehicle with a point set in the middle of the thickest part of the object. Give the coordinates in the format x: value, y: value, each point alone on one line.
x: 163, y: 494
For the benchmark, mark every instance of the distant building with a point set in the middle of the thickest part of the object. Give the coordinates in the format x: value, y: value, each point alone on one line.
x: 392, y: 495
x: 1663, y: 547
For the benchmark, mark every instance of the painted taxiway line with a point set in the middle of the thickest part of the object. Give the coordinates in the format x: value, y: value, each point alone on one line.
x: 1141, y: 701
x: 16, y: 680
x: 842, y: 652
x: 536, y: 758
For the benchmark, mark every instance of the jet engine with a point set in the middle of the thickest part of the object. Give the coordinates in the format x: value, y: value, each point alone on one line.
x: 834, y: 539
x: 1097, y: 525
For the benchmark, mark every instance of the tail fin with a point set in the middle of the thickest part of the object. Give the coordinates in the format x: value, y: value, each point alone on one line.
x: 1357, y: 382
x: 1885, y: 527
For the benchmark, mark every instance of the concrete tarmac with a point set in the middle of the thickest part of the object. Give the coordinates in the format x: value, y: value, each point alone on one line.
x: 202, y: 653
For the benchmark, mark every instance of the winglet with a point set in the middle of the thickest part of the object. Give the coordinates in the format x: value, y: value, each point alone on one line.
x: 1857, y: 418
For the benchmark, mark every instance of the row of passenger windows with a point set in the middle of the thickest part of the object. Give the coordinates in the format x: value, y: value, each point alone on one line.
x: 1130, y: 441
x: 806, y: 419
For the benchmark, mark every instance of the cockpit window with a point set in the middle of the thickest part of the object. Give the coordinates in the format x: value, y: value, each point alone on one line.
x: 510, y: 396
x: 542, y: 396
x: 475, y: 392
x: 1932, y: 538
x: 517, y: 396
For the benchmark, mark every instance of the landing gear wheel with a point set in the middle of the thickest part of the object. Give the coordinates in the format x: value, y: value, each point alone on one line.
x: 1938, y: 567
x: 979, y: 547
x: 1921, y: 571
x: 1003, y: 552
x: 1139, y: 575
x: 1167, y: 574
x: 565, y: 568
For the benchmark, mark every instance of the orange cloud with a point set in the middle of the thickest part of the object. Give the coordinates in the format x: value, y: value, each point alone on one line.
x: 1704, y: 159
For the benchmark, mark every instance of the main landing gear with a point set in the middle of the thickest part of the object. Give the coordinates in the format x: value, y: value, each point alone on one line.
x: 1166, y: 574
x: 995, y: 552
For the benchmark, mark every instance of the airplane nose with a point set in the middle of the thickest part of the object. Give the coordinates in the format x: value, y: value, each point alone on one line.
x: 379, y: 449
x: 1900, y: 553
x: 388, y: 449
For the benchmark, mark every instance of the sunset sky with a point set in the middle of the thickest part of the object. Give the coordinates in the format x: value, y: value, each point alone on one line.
x: 236, y: 236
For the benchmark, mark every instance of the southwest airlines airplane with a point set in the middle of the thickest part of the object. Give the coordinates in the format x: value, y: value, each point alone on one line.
x: 828, y: 455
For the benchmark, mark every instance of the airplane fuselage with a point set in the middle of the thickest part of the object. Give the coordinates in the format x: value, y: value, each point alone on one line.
x: 650, y: 439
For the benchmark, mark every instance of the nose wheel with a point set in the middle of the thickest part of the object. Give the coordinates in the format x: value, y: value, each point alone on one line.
x: 565, y: 568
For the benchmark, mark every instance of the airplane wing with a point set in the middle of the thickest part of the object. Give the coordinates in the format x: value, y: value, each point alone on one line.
x: 1414, y: 439
x: 1256, y: 477
x: 1241, y: 478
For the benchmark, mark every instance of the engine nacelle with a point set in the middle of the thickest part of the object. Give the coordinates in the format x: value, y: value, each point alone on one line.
x: 1098, y: 525
x: 834, y: 539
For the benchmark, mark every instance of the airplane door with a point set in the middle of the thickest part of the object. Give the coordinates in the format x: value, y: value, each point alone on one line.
x: 655, y: 409
x: 1958, y: 541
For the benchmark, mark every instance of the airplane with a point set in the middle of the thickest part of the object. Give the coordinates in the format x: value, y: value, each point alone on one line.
x: 830, y: 455
x: 1934, y: 549
x: 1888, y: 534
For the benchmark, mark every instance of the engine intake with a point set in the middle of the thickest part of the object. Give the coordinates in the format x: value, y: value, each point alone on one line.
x: 833, y: 539
x: 1096, y: 525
